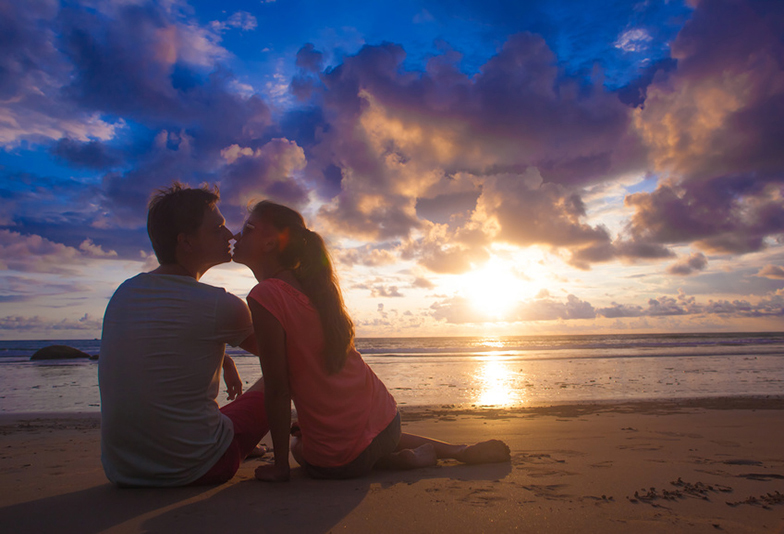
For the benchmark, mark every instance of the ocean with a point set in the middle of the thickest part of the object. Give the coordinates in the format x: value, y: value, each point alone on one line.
x: 472, y: 371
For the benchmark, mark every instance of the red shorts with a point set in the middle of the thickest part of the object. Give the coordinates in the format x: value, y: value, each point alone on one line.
x: 250, y: 424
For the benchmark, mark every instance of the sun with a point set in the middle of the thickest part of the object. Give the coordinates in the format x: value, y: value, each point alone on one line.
x: 495, y: 289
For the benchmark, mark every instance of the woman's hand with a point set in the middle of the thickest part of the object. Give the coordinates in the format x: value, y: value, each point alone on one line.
x: 232, y: 378
x: 273, y: 473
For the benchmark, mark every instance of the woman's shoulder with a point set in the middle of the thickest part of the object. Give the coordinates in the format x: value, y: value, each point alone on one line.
x: 277, y: 288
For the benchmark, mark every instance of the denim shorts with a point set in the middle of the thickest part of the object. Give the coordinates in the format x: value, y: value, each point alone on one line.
x: 383, y: 444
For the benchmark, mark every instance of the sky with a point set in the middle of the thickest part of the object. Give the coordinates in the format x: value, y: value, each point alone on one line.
x: 477, y: 167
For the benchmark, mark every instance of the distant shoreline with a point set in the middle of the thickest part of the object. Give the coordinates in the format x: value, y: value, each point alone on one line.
x: 89, y: 419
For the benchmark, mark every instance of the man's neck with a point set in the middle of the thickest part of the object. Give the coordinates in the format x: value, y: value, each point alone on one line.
x: 178, y: 270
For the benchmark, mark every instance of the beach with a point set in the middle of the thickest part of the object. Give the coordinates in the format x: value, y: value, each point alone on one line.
x: 695, y: 465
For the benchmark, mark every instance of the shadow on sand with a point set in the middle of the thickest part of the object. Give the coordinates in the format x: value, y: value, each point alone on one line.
x: 301, y: 505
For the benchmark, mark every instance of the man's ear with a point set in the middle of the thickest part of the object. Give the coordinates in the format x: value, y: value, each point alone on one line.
x: 183, y: 240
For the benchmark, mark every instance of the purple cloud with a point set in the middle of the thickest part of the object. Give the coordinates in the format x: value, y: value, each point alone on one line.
x: 688, y: 265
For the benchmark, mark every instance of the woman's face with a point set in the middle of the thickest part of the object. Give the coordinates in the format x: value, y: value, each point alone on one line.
x: 256, y: 239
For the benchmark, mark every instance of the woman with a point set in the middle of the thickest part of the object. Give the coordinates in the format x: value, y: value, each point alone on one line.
x: 347, y: 420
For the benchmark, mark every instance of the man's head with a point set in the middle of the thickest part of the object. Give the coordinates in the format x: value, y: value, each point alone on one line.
x: 178, y: 216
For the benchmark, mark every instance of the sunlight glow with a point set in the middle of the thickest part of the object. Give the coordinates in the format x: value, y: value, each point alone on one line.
x: 495, y: 289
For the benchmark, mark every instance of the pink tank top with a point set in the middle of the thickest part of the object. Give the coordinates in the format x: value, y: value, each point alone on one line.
x: 339, y: 414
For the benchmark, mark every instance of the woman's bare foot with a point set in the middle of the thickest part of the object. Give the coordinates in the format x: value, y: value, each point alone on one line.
x: 486, y: 452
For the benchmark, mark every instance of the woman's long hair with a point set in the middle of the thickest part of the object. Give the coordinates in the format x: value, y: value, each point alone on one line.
x: 303, y: 251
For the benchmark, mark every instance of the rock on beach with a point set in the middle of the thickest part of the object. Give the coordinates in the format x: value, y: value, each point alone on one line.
x: 58, y: 352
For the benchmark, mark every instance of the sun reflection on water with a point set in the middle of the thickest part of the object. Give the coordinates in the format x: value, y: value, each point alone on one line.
x: 498, y: 384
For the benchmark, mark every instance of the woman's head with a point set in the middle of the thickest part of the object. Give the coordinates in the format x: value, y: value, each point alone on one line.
x: 290, y: 232
x: 281, y: 231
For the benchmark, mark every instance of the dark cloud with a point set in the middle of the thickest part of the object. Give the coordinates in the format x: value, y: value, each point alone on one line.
x: 91, y: 155
x: 725, y: 214
x: 616, y: 310
x: 442, y: 161
x: 548, y: 309
x: 264, y: 173
x: 713, y: 126
x: 396, y: 133
x: 310, y: 59
x: 688, y: 265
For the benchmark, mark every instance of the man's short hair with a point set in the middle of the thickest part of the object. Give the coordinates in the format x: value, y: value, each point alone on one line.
x: 175, y: 210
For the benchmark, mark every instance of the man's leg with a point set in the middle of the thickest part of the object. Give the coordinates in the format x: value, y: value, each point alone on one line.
x: 249, y: 417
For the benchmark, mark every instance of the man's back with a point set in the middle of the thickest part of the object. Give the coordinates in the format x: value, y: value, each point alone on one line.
x: 159, y: 372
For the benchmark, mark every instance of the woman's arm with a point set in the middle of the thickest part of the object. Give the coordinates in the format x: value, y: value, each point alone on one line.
x: 271, y: 340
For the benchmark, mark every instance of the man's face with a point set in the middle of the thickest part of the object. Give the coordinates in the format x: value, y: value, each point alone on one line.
x: 211, y: 241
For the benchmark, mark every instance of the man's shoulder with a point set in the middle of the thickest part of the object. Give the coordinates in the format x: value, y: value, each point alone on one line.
x: 169, y: 281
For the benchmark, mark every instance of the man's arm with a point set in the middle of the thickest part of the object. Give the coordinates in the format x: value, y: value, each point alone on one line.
x: 231, y: 377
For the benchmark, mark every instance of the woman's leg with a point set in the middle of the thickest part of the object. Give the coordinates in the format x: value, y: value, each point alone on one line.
x: 418, y: 451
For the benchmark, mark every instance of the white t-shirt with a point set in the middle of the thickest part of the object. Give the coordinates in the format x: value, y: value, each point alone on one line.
x: 159, y: 371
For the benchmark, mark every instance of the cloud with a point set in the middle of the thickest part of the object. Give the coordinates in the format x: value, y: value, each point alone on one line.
x: 688, y: 265
x: 39, y: 324
x: 548, y: 309
x: 385, y: 291
x: 459, y: 310
x: 773, y: 272
x: 711, y: 127
x: 367, y: 255
x: 90, y: 155
x: 396, y: 135
x: 91, y: 249
x: 34, y: 72
x: 24, y: 289
x: 422, y: 283
x: 634, y: 40
x: 33, y: 253
x: 430, y: 165
x: 266, y: 172
x: 240, y: 20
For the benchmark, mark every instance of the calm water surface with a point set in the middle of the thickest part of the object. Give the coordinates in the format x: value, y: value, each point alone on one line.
x: 500, y: 372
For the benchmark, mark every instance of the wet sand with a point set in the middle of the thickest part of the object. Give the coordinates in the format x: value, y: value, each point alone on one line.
x: 706, y: 465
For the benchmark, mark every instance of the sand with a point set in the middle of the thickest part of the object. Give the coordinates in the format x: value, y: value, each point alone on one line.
x: 692, y: 466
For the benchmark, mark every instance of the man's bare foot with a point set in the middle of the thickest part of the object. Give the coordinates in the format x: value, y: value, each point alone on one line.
x: 486, y: 452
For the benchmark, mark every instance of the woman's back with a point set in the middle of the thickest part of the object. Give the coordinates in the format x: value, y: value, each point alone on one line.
x: 339, y: 414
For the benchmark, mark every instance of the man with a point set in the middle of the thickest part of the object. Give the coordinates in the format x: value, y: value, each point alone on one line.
x: 162, y: 350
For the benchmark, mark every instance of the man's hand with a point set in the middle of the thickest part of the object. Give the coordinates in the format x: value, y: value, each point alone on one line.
x: 273, y: 473
x: 232, y: 378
